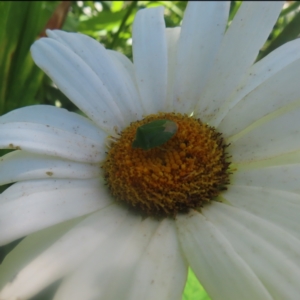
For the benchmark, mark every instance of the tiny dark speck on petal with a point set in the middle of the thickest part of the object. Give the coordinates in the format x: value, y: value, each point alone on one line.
x: 49, y: 173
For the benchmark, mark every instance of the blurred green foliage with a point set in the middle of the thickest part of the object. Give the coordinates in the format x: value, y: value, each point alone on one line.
x: 109, y: 22
x: 193, y: 289
x: 21, y: 22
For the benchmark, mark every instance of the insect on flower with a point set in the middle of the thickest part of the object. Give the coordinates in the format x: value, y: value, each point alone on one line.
x: 154, y: 134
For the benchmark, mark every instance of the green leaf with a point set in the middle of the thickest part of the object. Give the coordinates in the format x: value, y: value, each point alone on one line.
x: 292, y: 7
x: 290, y: 32
x: 102, y: 21
x: 20, y: 78
x: 154, y: 134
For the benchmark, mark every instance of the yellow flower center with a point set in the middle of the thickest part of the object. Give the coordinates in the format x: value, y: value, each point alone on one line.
x: 188, y: 171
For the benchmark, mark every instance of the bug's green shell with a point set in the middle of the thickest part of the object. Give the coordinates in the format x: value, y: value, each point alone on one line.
x: 154, y: 134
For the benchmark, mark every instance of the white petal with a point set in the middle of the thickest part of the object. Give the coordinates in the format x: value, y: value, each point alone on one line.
x: 53, y: 131
x: 108, y: 271
x: 275, y: 135
x: 202, y: 31
x: 53, y: 116
x: 272, y: 73
x: 78, y: 82
x: 29, y: 206
x: 29, y: 248
x: 149, y: 48
x: 126, y: 62
x: 162, y: 271
x: 172, y: 36
x: 272, y: 253
x: 126, y: 67
x: 22, y: 165
x: 280, y: 160
x: 283, y: 177
x: 280, y: 207
x: 111, y: 75
x: 221, y: 271
x: 278, y: 91
x: 67, y: 253
x: 245, y: 36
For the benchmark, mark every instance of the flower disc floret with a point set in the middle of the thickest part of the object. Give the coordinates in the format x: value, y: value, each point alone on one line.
x: 188, y: 171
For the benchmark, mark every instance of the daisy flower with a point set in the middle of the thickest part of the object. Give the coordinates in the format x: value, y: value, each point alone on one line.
x: 221, y: 195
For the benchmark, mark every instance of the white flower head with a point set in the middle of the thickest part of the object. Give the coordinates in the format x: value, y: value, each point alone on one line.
x: 69, y: 178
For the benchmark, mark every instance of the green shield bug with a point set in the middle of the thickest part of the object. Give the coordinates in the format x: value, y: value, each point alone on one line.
x: 154, y: 134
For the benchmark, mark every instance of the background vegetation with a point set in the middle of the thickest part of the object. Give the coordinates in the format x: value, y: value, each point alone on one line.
x: 109, y: 22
